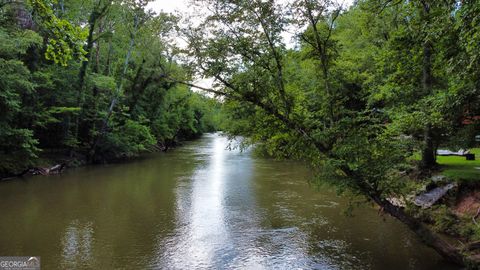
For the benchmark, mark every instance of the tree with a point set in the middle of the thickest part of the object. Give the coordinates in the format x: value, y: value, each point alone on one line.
x: 304, y: 103
x: 122, y: 102
x: 18, y: 147
x: 64, y: 40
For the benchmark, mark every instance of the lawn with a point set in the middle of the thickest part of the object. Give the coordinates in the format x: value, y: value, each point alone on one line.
x: 459, y: 168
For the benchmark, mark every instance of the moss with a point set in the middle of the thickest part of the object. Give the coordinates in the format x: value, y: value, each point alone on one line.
x: 445, y: 221
x: 470, y: 230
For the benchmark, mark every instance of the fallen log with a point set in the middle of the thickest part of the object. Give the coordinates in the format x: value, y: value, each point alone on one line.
x: 472, y: 246
x: 56, y: 169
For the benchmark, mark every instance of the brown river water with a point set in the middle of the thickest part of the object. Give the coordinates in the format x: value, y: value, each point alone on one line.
x: 199, y: 206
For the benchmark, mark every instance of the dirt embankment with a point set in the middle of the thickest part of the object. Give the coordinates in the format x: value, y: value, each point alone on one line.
x: 468, y: 203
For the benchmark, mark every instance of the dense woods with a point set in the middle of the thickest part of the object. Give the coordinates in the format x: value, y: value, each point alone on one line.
x: 358, y: 92
x: 88, y: 81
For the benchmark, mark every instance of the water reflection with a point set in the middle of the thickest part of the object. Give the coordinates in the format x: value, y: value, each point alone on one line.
x: 198, y: 207
x: 235, y: 212
x: 201, y: 228
x: 77, y: 245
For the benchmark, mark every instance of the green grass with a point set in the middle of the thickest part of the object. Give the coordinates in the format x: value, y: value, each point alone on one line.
x: 459, y: 168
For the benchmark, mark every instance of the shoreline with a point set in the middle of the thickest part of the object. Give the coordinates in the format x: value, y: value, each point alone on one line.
x: 58, y: 164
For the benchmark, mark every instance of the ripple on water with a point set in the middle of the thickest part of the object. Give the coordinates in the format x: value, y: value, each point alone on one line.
x: 335, y: 254
x: 327, y: 204
x: 198, y: 207
x: 286, y: 194
x: 77, y: 244
x: 316, y: 221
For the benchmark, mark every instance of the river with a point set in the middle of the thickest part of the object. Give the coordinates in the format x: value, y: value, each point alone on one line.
x: 199, y: 206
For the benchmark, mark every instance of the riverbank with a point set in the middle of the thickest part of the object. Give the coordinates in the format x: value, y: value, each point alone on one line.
x: 448, y: 202
x: 56, y: 161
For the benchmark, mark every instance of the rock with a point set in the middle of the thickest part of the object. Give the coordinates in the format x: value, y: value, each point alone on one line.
x: 439, y: 178
x: 427, y: 199
x: 399, y: 202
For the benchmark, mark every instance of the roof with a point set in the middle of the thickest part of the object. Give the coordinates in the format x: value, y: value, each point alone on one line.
x: 470, y: 120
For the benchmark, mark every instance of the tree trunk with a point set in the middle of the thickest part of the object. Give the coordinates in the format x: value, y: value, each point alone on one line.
x: 107, y: 70
x: 118, y: 90
x: 431, y: 239
x: 99, y: 10
x: 83, y: 69
x: 428, y: 151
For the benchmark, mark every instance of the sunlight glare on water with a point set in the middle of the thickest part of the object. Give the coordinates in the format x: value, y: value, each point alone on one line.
x: 199, y: 206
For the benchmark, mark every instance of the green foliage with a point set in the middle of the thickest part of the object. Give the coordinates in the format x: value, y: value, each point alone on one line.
x: 127, y: 140
x: 445, y: 220
x: 18, y: 42
x: 362, y: 91
x: 470, y: 230
x: 65, y: 41
x: 18, y: 147
x: 464, y: 137
x: 108, y: 52
x: 185, y: 116
x: 103, y: 83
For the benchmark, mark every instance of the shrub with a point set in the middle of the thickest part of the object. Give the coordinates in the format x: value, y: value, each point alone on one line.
x: 127, y: 140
